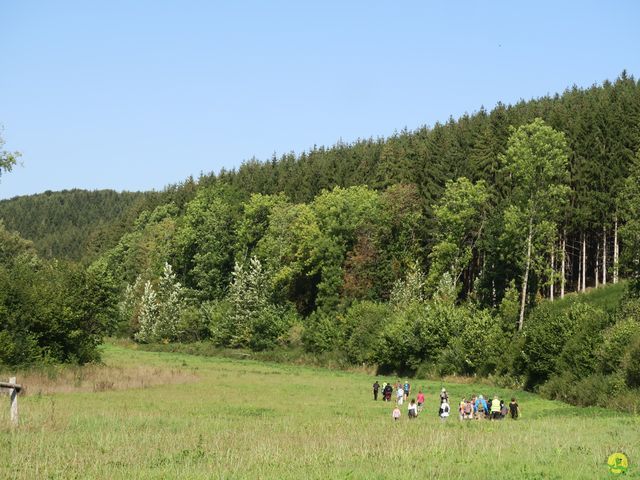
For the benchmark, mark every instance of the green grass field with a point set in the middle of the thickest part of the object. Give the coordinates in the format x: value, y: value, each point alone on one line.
x: 245, y: 419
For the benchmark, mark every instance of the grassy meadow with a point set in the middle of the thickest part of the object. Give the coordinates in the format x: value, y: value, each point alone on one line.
x: 163, y: 415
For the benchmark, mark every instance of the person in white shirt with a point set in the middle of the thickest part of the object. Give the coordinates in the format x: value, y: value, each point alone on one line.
x: 413, y: 409
x: 444, y: 411
x: 400, y: 395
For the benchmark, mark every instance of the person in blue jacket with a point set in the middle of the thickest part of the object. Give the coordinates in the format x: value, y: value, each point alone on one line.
x: 481, y: 407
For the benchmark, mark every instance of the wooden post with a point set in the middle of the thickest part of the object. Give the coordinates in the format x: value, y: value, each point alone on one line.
x: 13, y: 389
x: 13, y: 395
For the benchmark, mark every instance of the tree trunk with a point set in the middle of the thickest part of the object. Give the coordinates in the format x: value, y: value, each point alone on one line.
x: 615, y: 251
x: 579, y: 286
x: 597, y: 269
x: 604, y: 255
x: 562, y: 263
x: 584, y: 262
x: 525, y: 280
x: 553, y: 271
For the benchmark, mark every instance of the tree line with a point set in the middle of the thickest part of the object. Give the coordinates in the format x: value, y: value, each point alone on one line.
x: 426, y: 251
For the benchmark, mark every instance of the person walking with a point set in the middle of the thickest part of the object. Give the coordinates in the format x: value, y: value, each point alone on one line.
x: 413, y: 409
x: 420, y: 400
x: 400, y: 395
x: 376, y: 387
x: 481, y: 408
x: 396, y: 413
x: 514, y: 409
x: 444, y: 410
x: 495, y: 408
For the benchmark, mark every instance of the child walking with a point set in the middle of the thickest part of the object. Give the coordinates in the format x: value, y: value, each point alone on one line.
x: 396, y: 413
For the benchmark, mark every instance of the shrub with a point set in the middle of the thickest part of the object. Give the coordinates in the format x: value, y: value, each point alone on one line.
x: 363, y: 324
x: 321, y: 332
x: 579, y: 355
x: 615, y: 341
x: 544, y: 336
x: 631, y: 363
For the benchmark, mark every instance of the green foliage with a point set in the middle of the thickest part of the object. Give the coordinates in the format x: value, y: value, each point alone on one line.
x: 418, y: 333
x: 7, y: 159
x: 544, y: 338
x: 73, y: 224
x: 204, y: 241
x: 363, y: 322
x: 536, y: 164
x: 410, y: 289
x: 631, y: 363
x: 459, y: 216
x: 579, y: 357
x: 53, y: 312
x: 322, y: 332
x: 158, y: 310
x: 630, y: 231
x: 476, y: 347
x: 615, y: 341
x: 248, y: 317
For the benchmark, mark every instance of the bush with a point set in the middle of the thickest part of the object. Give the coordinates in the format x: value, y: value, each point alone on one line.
x: 363, y: 324
x: 544, y: 336
x: 218, y: 315
x: 631, y: 363
x: 615, y: 341
x: 419, y: 333
x: 321, y: 332
x: 193, y: 325
x: 580, y: 354
x: 53, y: 312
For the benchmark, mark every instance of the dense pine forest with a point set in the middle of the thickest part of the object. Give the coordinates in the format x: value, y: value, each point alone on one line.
x: 441, y: 250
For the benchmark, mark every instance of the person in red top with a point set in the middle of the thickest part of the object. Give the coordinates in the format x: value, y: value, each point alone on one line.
x: 420, y: 399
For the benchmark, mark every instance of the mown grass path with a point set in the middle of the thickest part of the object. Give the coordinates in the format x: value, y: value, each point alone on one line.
x: 245, y: 419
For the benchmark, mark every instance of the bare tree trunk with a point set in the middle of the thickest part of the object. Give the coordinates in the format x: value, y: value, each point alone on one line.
x: 597, y: 269
x: 562, y: 263
x: 604, y: 255
x: 553, y: 271
x: 584, y: 262
x: 525, y: 280
x: 615, y: 251
x: 579, y: 289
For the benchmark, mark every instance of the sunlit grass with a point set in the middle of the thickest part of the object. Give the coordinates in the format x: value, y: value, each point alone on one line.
x: 245, y: 419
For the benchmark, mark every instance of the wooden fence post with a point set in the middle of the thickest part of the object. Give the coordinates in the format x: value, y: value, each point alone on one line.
x: 13, y: 394
x: 13, y: 389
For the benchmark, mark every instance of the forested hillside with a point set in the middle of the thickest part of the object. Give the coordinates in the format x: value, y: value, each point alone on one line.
x: 79, y: 224
x: 425, y: 252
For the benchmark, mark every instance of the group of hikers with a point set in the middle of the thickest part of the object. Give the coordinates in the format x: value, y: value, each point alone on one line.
x: 473, y: 407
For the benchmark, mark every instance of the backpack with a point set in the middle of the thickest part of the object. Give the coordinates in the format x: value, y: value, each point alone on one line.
x: 480, y: 407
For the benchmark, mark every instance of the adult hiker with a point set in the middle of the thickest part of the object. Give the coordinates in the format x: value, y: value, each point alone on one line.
x: 420, y: 400
x: 514, y: 409
x: 504, y: 410
x: 481, y: 407
x: 387, y: 392
x: 413, y: 409
x: 444, y: 397
x: 463, y: 403
x: 376, y: 387
x: 400, y: 395
x: 407, y: 390
x: 444, y: 410
x: 468, y: 410
x: 495, y: 408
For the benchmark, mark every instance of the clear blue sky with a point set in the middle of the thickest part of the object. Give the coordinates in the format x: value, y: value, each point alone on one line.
x: 134, y: 95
